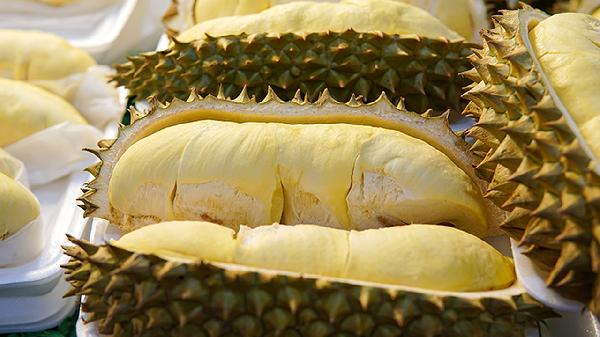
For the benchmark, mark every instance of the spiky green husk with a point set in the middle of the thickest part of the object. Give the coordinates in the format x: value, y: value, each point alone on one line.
x: 536, y: 166
x: 423, y: 71
x: 141, y: 295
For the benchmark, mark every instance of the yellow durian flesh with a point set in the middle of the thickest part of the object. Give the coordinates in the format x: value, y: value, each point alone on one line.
x: 301, y: 248
x: 428, y: 257
x: 596, y: 13
x: 209, y: 9
x: 183, y: 239
x: 421, y: 256
x: 386, y: 16
x: 568, y: 48
x: 26, y: 109
x: 254, y: 174
x: 18, y: 206
x: 34, y: 55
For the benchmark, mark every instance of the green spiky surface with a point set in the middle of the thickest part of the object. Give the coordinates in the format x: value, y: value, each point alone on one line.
x: 536, y: 166
x: 140, y: 295
x: 423, y: 71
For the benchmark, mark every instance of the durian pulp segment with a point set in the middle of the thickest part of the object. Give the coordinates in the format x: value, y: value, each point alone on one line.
x: 254, y: 174
x: 158, y: 161
x: 306, y: 249
x: 568, y: 49
x: 26, y: 109
x: 209, y: 9
x: 33, y: 55
x: 18, y: 206
x: 183, y: 239
x: 9, y: 165
x: 422, y: 256
x: 387, y: 16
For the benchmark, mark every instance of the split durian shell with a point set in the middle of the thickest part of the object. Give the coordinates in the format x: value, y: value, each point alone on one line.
x: 133, y: 293
x: 466, y: 17
x: 158, y: 179
x: 539, y: 157
x: 26, y: 109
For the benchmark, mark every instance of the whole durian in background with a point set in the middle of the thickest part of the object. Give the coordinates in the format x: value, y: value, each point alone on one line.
x: 466, y: 17
x: 296, y: 47
x: 536, y: 103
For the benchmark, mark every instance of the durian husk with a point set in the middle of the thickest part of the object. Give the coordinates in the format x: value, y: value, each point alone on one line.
x: 134, y: 294
x: 538, y: 168
x: 381, y: 113
x: 422, y: 71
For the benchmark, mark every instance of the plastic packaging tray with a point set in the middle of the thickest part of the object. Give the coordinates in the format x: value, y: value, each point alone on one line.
x: 31, y: 293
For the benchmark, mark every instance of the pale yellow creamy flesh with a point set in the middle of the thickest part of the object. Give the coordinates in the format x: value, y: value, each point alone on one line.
x: 423, y: 256
x: 33, y: 55
x: 254, y: 174
x: 568, y: 49
x: 387, y: 16
x: 18, y: 206
x: 26, y: 109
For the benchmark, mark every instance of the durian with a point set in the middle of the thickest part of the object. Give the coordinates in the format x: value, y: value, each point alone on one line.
x: 257, y: 284
x: 293, y: 47
x: 33, y: 56
x: 466, y: 17
x: 26, y: 109
x: 375, y: 165
x: 18, y: 206
x: 536, y: 104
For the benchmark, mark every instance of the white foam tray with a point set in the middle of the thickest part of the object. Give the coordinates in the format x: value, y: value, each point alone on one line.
x: 31, y: 293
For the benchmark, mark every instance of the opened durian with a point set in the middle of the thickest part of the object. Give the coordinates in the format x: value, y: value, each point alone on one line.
x: 349, y: 166
x: 295, y: 47
x: 536, y: 104
x: 26, y: 109
x: 202, y: 279
x: 466, y: 17
x: 18, y: 206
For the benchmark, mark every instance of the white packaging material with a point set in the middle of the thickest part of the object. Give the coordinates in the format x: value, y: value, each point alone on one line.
x: 55, y: 152
x: 90, y: 93
x: 13, y: 168
x: 24, y: 245
x: 35, y: 313
x: 60, y: 215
